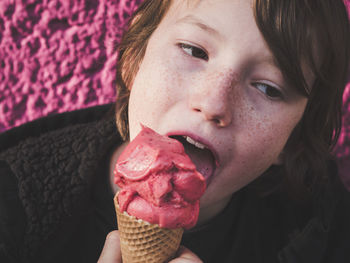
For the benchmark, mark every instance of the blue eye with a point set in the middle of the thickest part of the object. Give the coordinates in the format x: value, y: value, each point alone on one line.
x: 194, y: 51
x: 268, y: 90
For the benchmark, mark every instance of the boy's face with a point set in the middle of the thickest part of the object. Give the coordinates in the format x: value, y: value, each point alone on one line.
x: 208, y: 74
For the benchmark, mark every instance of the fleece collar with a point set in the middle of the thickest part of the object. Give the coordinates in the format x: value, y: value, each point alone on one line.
x: 55, y: 172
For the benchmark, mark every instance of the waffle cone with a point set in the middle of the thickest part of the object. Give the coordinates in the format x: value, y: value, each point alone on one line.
x: 142, y: 242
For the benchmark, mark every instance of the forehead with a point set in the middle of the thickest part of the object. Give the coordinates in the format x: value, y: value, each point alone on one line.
x: 225, y: 16
x: 227, y: 22
x: 178, y: 8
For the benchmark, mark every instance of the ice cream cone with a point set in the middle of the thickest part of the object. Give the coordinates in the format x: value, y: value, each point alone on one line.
x: 142, y: 242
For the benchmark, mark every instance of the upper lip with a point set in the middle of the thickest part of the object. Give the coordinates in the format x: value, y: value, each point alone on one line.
x: 199, y: 139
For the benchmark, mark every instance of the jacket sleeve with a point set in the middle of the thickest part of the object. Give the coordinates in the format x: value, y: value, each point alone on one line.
x: 12, y: 216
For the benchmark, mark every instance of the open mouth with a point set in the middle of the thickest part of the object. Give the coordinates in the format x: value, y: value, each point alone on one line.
x: 202, y: 157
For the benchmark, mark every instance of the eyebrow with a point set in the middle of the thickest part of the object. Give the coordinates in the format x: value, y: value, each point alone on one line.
x: 270, y: 60
x: 190, y: 19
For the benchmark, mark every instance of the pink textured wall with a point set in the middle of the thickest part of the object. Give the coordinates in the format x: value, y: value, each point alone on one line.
x: 59, y: 55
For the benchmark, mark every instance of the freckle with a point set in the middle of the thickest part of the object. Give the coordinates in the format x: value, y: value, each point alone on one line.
x: 258, y: 125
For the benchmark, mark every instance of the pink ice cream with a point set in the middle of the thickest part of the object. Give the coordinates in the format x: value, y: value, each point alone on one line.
x: 159, y: 182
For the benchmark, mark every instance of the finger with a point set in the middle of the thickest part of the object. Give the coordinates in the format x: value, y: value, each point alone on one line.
x: 184, y: 255
x: 111, y: 250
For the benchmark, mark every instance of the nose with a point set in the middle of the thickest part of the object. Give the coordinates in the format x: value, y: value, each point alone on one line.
x: 212, y: 97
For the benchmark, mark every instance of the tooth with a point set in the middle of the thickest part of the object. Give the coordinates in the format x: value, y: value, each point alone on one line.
x: 190, y: 140
x: 197, y: 144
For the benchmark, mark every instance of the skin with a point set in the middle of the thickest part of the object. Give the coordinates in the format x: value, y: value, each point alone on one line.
x: 207, y: 71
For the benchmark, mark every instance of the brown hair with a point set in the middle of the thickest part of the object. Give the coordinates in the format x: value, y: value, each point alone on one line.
x: 300, y: 34
x: 315, y: 34
x: 132, y: 49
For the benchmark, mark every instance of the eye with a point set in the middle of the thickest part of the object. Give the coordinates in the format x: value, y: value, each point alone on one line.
x: 194, y: 51
x: 268, y: 90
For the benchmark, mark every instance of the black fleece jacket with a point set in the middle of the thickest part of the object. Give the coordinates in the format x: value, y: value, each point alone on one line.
x: 56, y: 204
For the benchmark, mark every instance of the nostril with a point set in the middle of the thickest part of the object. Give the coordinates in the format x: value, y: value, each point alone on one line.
x: 221, y: 121
x: 217, y: 121
x: 219, y: 117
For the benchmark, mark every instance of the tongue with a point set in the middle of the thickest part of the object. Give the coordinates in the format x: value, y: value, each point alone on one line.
x: 203, y: 160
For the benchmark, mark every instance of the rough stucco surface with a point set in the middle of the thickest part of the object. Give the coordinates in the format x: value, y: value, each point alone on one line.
x: 60, y: 55
x: 57, y: 55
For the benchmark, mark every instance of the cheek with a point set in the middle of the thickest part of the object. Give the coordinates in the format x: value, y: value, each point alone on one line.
x: 155, y: 90
x: 265, y: 137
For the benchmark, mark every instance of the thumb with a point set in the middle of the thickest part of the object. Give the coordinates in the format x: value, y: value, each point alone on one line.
x: 111, y: 250
x: 184, y: 255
